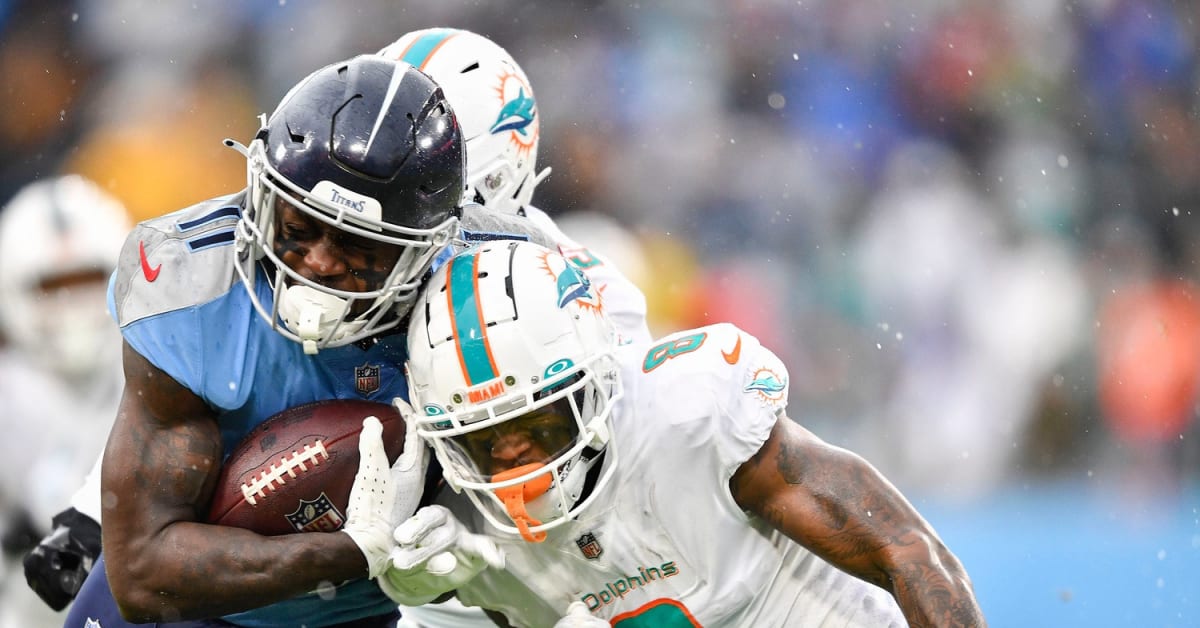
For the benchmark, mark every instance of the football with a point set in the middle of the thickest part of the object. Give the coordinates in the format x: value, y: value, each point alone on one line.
x: 294, y: 471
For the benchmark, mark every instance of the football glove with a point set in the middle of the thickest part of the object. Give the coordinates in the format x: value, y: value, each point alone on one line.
x: 372, y: 502
x: 408, y: 472
x: 578, y: 616
x: 435, y: 554
x: 57, y: 567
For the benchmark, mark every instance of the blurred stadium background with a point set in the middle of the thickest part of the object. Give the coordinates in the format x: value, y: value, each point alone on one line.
x: 970, y: 228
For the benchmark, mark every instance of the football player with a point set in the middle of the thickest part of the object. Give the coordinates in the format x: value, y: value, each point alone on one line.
x: 658, y: 483
x: 239, y: 307
x: 60, y: 380
x: 501, y: 122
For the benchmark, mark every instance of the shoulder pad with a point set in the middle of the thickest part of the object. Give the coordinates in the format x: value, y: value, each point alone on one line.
x: 480, y: 224
x: 175, y: 261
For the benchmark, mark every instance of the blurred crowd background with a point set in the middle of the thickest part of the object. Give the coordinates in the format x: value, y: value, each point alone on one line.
x: 970, y: 228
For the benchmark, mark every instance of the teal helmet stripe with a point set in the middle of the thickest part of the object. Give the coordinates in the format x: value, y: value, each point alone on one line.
x: 419, y: 51
x: 470, y: 333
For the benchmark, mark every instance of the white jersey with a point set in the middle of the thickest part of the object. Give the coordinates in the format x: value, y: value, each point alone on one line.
x: 55, y: 429
x: 53, y: 433
x: 665, y: 544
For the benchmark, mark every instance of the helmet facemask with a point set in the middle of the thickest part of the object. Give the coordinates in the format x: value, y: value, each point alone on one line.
x: 354, y: 184
x: 304, y: 310
x: 554, y: 432
x: 513, y: 379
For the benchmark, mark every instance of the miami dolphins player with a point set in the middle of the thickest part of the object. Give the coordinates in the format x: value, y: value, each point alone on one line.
x: 287, y: 292
x: 501, y: 123
x: 652, y: 484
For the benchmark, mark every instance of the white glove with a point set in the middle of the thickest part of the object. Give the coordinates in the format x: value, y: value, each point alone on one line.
x: 408, y: 472
x: 372, y: 500
x: 435, y: 554
x: 578, y: 616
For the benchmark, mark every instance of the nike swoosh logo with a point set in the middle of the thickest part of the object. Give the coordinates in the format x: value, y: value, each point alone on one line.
x: 152, y: 273
x: 732, y: 356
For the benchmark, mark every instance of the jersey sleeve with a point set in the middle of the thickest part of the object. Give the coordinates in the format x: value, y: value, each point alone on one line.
x: 170, y: 268
x: 625, y: 303
x: 720, y: 387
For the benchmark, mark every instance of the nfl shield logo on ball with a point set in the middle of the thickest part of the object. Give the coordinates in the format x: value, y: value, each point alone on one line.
x: 366, y: 378
x: 589, y: 546
x: 318, y: 515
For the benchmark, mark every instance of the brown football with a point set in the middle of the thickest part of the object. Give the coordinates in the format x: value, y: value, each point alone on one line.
x: 294, y: 471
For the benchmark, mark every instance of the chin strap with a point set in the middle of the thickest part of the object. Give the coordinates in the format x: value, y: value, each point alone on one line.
x: 314, y: 316
x: 515, y: 496
x: 308, y: 327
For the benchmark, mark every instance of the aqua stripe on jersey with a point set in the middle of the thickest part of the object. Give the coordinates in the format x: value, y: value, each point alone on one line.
x: 469, y: 330
x: 419, y: 51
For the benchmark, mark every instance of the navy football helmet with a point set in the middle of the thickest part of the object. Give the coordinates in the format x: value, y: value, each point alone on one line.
x: 368, y: 146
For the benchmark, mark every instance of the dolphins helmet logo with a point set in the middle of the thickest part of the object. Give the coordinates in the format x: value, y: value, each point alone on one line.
x: 518, y: 112
x: 573, y: 285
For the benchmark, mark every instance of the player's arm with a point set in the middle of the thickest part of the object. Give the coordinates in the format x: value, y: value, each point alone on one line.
x: 840, y: 507
x: 160, y: 469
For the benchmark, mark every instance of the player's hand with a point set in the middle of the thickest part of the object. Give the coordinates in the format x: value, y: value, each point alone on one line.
x: 578, y: 616
x: 435, y: 553
x: 408, y: 472
x: 57, y: 567
x: 372, y: 499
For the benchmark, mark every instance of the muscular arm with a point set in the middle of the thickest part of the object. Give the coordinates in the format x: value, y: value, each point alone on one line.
x: 159, y: 471
x: 838, y: 506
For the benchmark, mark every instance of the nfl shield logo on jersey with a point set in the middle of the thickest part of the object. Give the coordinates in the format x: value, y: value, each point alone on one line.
x: 366, y: 379
x: 318, y: 515
x: 589, y: 546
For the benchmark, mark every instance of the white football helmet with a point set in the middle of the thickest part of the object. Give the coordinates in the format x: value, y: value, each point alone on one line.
x: 512, y: 379
x: 495, y: 106
x: 59, y: 243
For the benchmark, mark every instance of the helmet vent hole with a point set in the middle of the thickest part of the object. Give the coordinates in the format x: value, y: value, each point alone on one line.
x: 473, y: 66
x: 294, y: 136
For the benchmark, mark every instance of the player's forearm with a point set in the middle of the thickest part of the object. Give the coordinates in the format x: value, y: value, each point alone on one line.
x: 193, y: 571
x: 902, y: 552
x: 932, y: 588
x: 839, y: 506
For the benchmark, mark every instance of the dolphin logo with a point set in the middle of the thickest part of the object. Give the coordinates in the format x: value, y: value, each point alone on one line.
x: 515, y: 115
x: 572, y: 285
x: 766, y: 383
